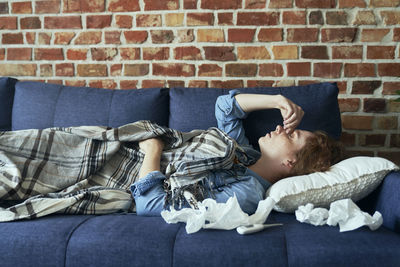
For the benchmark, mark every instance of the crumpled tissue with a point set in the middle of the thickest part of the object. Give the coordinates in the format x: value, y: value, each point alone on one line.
x: 343, y: 212
x: 213, y: 215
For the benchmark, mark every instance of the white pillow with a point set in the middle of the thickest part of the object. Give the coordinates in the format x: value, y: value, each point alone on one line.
x: 351, y: 178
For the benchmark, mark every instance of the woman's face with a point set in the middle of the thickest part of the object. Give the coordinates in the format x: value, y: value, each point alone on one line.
x: 280, y: 145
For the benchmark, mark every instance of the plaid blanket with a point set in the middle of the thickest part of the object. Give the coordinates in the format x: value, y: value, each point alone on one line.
x: 89, y: 169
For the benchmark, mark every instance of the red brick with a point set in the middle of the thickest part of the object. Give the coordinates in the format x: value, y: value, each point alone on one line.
x: 227, y: 84
x: 372, y: 140
x: 365, y: 18
x: 8, y: 23
x: 271, y: 69
x: 298, y: 69
x: 327, y: 70
x: 12, y: 38
x: 92, y: 70
x: 135, y: 37
x: 347, y: 52
x: 185, y: 36
x: 241, y: 35
x: 198, y: 84
x: 153, y: 83
x: 65, y: 22
x: 255, y: 4
x: 294, y: 17
x: 188, y: 53
x: 88, y: 38
x: 156, y: 53
x: 374, y: 35
x: 315, y: 17
x: 173, y: 69
x: 351, y: 3
x: 116, y: 70
x: 315, y: 3
x: 365, y: 87
x: 387, y: 123
x: 253, y: 52
x: 112, y: 37
x: 30, y: 23
x: 258, y: 18
x: 190, y: 4
x: 280, y: 3
x: 384, y: 3
x: 100, y: 54
x: 30, y: 37
x: 172, y: 84
x: 302, y: 35
x: 395, y: 140
x: 337, y: 35
x: 127, y: 84
x: 148, y: 20
x: 65, y: 69
x: 19, y: 53
x: 389, y: 69
x: 349, y: 104
x: 241, y: 70
x: 123, y: 5
x: 83, y: 6
x: 390, y: 88
x: 225, y: 18
x: 314, y: 52
x: 162, y: 36
x: 285, y: 51
x: 21, y: 8
x: 390, y: 155
x: 2, y: 53
x: 342, y: 87
x: 44, y: 38
x: 46, y: 70
x: 221, y: 4
x: 78, y: 83
x: 374, y: 105
x: 161, y: 5
x: 49, y: 54
x: 396, y: 34
x: 210, y: 70
x: 336, y: 18
x: 348, y: 139
x: 390, y: 17
x: 106, y: 84
x: 18, y: 69
x: 354, y: 122
x: 98, y: 21
x: 47, y: 6
x: 4, y: 8
x: 199, y: 19
x: 259, y: 83
x: 77, y: 54
x: 380, y: 52
x: 219, y: 53
x: 123, y: 21
x: 270, y: 35
x: 359, y: 70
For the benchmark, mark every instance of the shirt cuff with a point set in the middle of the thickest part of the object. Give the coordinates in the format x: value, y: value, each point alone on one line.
x: 145, y: 184
x: 235, y: 108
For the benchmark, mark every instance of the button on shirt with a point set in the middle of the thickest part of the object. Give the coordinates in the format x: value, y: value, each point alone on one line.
x: 248, y: 186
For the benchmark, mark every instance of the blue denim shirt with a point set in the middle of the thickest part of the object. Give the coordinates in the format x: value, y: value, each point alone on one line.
x: 248, y: 186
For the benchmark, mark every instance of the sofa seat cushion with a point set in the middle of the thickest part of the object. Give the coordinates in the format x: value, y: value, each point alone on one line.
x: 193, y: 108
x: 122, y: 240
x: 39, y: 242
x: 7, y: 89
x: 42, y: 105
x: 309, y: 245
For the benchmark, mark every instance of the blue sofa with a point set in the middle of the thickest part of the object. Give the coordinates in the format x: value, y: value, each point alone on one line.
x: 125, y: 239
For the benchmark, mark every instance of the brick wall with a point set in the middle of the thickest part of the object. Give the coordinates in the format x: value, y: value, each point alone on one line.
x: 120, y: 44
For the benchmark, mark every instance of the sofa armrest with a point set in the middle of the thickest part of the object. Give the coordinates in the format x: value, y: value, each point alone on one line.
x: 388, y: 199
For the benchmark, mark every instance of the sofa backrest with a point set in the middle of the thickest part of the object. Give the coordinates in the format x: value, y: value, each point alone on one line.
x: 193, y: 108
x: 42, y: 105
x: 7, y: 89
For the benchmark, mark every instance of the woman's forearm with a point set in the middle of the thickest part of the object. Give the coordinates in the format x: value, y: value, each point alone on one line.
x: 252, y: 102
x: 151, y: 162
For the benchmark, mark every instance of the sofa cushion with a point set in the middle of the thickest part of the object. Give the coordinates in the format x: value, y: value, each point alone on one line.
x: 7, y: 89
x: 122, y: 240
x: 43, y: 105
x: 39, y: 242
x: 309, y: 245
x: 193, y: 108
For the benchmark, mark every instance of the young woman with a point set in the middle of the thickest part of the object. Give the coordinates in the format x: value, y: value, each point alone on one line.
x: 287, y: 151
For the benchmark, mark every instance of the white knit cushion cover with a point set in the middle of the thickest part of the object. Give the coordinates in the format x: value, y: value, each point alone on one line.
x: 351, y: 178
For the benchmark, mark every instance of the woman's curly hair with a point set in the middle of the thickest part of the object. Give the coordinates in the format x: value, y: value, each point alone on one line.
x: 319, y: 154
